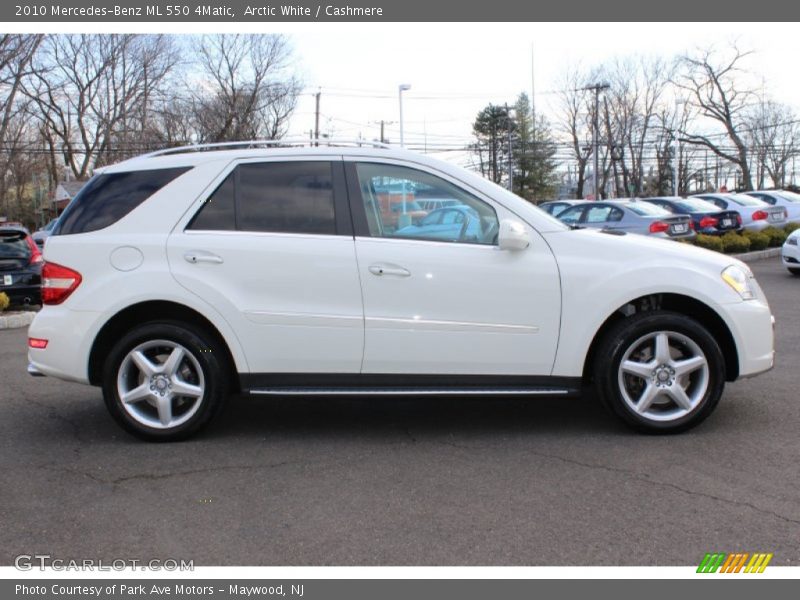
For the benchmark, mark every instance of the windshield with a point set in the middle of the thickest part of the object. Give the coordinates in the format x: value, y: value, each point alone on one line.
x: 646, y: 209
x: 745, y: 200
x: 697, y: 205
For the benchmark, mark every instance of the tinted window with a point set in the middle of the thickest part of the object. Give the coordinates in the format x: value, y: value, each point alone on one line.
x: 217, y: 212
x: 105, y: 199
x: 292, y: 197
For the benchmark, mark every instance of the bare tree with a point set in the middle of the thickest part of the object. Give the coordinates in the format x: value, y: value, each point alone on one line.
x: 576, y: 120
x: 773, y: 135
x: 16, y: 53
x: 247, y: 90
x: 631, y: 109
x: 91, y: 88
x: 713, y: 83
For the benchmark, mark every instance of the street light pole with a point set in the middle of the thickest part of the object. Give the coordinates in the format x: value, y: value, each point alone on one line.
x: 403, y: 87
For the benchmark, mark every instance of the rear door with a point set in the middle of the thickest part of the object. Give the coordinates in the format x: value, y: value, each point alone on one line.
x: 271, y: 247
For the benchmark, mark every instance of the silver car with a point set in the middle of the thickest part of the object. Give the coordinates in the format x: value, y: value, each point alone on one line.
x: 756, y: 214
x: 629, y: 216
x: 554, y: 207
x: 789, y: 200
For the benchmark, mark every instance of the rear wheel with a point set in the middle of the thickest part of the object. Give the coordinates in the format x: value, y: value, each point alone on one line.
x: 164, y: 381
x: 660, y: 372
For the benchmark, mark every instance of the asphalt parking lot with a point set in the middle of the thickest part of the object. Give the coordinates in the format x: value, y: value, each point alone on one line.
x: 406, y: 482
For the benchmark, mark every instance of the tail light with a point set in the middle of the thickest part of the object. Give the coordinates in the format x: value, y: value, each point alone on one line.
x: 58, y: 283
x: 707, y: 222
x: 738, y: 218
x: 691, y: 225
x: 658, y: 227
x: 759, y: 215
x: 36, y: 254
x: 37, y: 343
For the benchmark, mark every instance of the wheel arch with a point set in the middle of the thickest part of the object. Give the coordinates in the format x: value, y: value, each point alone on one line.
x: 679, y: 303
x: 152, y: 310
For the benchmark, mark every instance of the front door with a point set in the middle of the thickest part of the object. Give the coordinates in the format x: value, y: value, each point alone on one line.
x: 440, y: 297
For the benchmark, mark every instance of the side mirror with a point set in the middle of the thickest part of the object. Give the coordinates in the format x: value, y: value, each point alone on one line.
x: 513, y: 235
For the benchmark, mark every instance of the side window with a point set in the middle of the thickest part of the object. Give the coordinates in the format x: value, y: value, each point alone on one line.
x: 571, y: 216
x: 598, y: 214
x: 394, y: 199
x: 290, y: 197
x: 615, y: 215
x: 217, y: 213
x: 280, y: 197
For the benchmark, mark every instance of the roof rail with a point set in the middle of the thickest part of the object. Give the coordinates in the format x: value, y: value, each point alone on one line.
x: 268, y: 143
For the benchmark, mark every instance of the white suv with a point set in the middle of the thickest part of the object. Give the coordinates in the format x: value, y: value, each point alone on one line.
x: 176, y: 278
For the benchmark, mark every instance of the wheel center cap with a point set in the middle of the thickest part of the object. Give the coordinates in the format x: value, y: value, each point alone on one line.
x: 663, y: 376
x: 160, y: 382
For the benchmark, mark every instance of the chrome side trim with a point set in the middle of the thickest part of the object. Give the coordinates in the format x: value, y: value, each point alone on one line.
x: 406, y: 392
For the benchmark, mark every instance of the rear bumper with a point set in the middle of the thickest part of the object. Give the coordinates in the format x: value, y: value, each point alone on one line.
x: 33, y: 371
x: 69, y: 335
x: 23, y: 294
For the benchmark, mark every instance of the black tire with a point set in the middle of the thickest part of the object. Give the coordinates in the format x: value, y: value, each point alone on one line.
x: 206, y: 353
x: 794, y: 271
x: 623, y: 336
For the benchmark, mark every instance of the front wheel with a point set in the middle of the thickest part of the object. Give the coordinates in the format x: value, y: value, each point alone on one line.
x: 164, y: 381
x: 660, y: 372
x: 794, y: 271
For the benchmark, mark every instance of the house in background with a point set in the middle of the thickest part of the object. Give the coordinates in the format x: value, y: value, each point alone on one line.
x: 65, y: 192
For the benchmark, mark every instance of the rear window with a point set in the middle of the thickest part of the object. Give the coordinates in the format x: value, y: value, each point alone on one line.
x: 646, y: 209
x: 109, y: 197
x: 14, y: 245
x: 745, y: 200
x: 695, y: 205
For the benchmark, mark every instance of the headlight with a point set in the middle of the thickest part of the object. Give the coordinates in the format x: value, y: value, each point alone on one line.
x: 792, y: 241
x: 739, y: 280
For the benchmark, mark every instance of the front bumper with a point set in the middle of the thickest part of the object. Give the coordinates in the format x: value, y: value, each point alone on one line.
x: 790, y: 255
x: 752, y: 325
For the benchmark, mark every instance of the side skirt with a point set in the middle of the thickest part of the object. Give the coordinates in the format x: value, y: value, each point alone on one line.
x: 391, y: 384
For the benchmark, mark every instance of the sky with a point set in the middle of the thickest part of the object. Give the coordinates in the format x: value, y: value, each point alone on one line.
x: 456, y: 69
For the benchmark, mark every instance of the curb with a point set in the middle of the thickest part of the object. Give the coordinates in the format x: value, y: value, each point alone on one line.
x: 758, y: 254
x: 16, y: 320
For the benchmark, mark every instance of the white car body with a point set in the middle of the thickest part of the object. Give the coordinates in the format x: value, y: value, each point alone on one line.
x: 790, y: 253
x: 312, y: 304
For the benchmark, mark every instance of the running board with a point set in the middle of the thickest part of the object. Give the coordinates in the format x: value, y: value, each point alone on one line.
x: 360, y: 391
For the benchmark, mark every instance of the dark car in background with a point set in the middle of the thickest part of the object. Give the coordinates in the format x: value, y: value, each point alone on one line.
x: 706, y: 217
x: 20, y: 266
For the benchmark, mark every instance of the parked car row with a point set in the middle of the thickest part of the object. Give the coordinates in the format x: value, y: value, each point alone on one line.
x: 710, y: 214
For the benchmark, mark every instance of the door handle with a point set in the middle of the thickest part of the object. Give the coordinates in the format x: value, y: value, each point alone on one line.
x: 195, y: 257
x: 389, y: 270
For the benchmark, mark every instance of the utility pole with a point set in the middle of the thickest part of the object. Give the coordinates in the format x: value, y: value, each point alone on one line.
x: 316, y: 118
x: 510, y: 157
x: 596, y: 88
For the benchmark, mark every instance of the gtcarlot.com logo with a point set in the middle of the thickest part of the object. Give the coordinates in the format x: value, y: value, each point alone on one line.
x: 737, y: 562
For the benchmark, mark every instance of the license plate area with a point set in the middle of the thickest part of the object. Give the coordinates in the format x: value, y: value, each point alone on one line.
x: 8, y: 279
